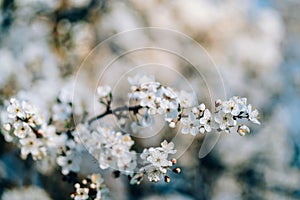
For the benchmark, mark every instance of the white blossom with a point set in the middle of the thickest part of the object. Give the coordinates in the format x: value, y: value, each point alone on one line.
x: 190, y: 124
x: 32, y: 145
x: 224, y: 120
x: 253, y: 114
x: 234, y: 105
x: 7, y: 127
x: 22, y: 129
x: 206, y: 121
x: 187, y: 99
x: 15, y: 109
x: 51, y: 139
x: 69, y: 162
x: 167, y: 147
x: 201, y: 107
x: 103, y: 91
x: 171, y: 112
x: 7, y: 132
x: 82, y: 194
x: 61, y: 111
x: 243, y: 130
x: 158, y: 158
x: 147, y: 99
x: 156, y: 162
x: 153, y: 174
x: 139, y: 79
x: 151, y: 87
x: 25, y: 193
x: 231, y: 106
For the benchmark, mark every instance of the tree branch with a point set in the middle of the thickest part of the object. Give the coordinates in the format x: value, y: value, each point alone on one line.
x: 109, y: 111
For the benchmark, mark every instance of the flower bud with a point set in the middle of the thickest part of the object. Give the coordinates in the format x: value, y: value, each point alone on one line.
x: 173, y: 161
x: 167, y: 179
x: 195, y: 110
x: 218, y: 102
x: 177, y: 170
x: 93, y: 186
x: 172, y: 125
x: 243, y: 129
x: 7, y: 127
x: 201, y: 107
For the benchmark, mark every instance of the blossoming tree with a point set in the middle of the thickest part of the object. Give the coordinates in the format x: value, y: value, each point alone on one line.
x: 58, y: 137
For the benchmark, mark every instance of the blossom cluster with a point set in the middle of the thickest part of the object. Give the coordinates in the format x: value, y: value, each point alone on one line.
x: 104, y: 94
x: 156, y: 163
x: 157, y: 99
x: 69, y: 157
x: 226, y: 116
x: 24, y: 193
x: 251, y: 47
x: 111, y: 148
x: 26, y: 126
x: 92, y: 187
x: 58, y: 138
x: 62, y: 109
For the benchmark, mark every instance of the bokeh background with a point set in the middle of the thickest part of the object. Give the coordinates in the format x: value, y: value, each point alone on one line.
x: 255, y: 44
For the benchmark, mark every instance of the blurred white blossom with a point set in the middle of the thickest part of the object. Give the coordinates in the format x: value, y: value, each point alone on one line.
x: 26, y: 193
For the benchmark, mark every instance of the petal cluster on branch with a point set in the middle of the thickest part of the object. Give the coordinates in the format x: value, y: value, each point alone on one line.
x: 26, y: 126
x: 92, y: 187
x: 156, y: 163
x: 60, y: 139
x: 111, y: 148
x: 226, y: 116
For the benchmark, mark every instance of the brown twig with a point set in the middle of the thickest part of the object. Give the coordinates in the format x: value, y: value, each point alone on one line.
x: 134, y: 109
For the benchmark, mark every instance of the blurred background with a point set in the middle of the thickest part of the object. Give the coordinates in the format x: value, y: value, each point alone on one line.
x: 255, y: 45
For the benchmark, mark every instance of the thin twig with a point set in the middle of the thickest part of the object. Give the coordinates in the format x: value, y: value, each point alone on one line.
x: 109, y: 111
